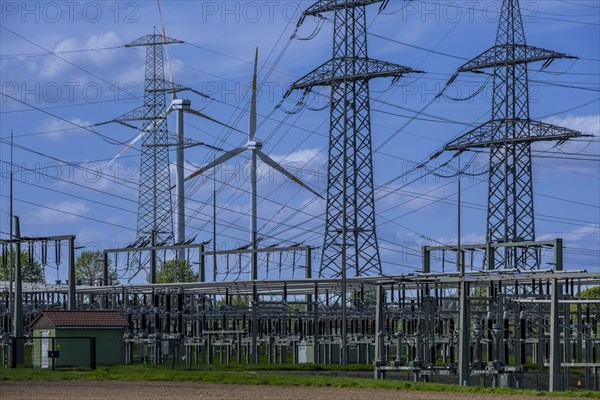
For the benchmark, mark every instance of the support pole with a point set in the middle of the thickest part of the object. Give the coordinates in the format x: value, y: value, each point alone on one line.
x: 105, y: 270
x: 180, y: 105
x: 381, y: 358
x: 460, y: 265
x: 490, y: 254
x: 555, y: 377
x: 308, y: 275
x: 464, y: 345
x: 558, y: 254
x: 426, y: 260
x: 72, y: 287
x: 255, y: 356
x: 18, y: 352
x: 344, y: 344
x: 202, y: 264
x: 11, y: 253
x: 214, y: 232
x: 254, y: 227
x: 153, y: 259
x: 316, y: 327
x: 253, y: 146
x: 464, y: 341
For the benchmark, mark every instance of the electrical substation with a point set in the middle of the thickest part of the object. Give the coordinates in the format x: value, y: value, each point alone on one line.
x: 488, y: 314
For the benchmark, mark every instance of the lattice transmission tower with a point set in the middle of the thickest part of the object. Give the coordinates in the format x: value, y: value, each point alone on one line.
x: 509, y: 136
x: 155, y: 209
x: 350, y: 235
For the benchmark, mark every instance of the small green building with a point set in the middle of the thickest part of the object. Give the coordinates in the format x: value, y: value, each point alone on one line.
x: 62, y: 338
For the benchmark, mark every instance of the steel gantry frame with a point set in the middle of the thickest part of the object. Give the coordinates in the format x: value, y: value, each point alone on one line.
x: 509, y: 136
x: 18, y: 326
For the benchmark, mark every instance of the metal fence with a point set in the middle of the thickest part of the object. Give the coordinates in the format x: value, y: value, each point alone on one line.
x: 60, y: 352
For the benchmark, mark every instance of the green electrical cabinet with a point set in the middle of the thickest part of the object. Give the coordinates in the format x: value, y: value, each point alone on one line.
x: 62, y: 339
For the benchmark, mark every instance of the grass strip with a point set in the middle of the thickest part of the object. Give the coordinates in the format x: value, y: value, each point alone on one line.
x: 158, y: 373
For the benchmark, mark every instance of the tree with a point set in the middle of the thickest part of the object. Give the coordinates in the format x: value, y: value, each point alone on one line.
x: 175, y: 271
x: 592, y: 293
x: 369, y: 299
x: 235, y: 301
x: 89, y: 269
x: 31, y: 269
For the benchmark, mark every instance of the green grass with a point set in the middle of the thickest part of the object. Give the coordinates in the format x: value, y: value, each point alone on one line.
x: 278, y: 367
x: 255, y: 377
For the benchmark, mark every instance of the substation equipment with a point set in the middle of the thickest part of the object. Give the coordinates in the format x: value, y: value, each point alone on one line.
x: 406, y: 325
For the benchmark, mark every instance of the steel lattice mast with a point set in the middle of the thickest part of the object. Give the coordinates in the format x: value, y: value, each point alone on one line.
x: 350, y: 236
x: 155, y: 209
x: 509, y: 135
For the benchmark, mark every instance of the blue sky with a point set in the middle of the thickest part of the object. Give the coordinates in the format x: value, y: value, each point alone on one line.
x: 63, y: 65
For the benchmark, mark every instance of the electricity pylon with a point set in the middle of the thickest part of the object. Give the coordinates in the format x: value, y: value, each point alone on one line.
x: 350, y: 237
x: 155, y: 208
x: 509, y: 135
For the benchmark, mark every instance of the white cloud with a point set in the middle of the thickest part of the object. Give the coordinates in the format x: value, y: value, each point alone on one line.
x: 588, y: 124
x: 188, y: 169
x: 58, y: 213
x: 116, y: 178
x: 468, y: 238
x: 90, y: 238
x: 109, y: 39
x: 425, y: 197
x: 133, y: 73
x: 55, y: 129
x: 576, y: 235
x: 74, y: 76
x: 55, y: 67
x: 301, y: 157
x: 309, y: 165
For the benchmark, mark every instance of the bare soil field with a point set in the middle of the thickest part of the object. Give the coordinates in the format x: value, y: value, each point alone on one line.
x: 110, y: 390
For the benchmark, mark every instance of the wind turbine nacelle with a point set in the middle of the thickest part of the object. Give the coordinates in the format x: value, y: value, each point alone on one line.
x: 254, y: 145
x: 181, y: 104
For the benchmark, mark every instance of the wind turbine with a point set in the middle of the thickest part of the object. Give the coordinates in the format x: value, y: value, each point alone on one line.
x: 255, y: 148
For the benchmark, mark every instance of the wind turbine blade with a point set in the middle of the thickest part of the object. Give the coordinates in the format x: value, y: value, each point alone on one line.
x: 134, y: 141
x: 138, y: 137
x: 126, y: 124
x: 273, y: 164
x: 217, y: 161
x: 202, y: 115
x: 252, y: 126
x: 164, y: 33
